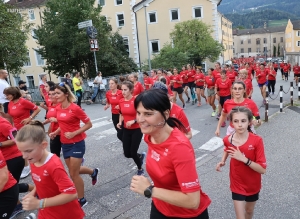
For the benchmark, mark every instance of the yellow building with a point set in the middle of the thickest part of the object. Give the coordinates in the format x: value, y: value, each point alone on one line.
x: 292, y: 41
x: 225, y: 38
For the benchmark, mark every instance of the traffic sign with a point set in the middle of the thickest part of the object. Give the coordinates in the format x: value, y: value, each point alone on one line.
x: 85, y: 24
x: 94, y: 45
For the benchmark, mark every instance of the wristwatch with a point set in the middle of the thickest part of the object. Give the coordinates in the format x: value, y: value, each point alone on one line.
x: 148, y: 192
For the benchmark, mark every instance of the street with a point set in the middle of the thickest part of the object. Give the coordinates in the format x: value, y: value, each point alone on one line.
x: 111, y: 197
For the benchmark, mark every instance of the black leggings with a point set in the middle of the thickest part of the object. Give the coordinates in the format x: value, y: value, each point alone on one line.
x: 5, y: 107
x: 79, y: 97
x: 115, y: 119
x: 155, y: 214
x: 131, y: 143
x: 271, y: 86
x: 55, y: 145
x: 8, y: 201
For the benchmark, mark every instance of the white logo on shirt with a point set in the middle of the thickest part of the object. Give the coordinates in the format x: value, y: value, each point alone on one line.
x: 155, y: 155
x: 250, y: 147
x: 114, y: 98
x: 166, y: 152
x: 63, y: 114
x: 46, y: 173
x: 191, y: 184
x: 69, y: 189
x: 14, y: 107
x: 36, y: 177
x: 126, y: 105
x: 52, y: 109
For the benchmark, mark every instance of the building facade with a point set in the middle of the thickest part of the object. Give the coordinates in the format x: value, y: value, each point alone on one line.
x: 259, y: 42
x: 292, y: 44
x: 225, y: 38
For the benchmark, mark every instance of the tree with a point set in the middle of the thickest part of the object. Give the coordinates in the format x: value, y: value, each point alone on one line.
x: 66, y: 48
x: 274, y: 51
x: 278, y: 50
x: 13, y: 35
x: 193, y: 37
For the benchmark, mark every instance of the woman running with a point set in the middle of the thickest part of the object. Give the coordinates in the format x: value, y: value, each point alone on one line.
x: 243, y: 76
x: 271, y: 80
x: 132, y: 134
x: 148, y: 82
x: 113, y: 96
x: 210, y: 90
x: 169, y: 166
x: 138, y: 87
x: 261, y: 77
x: 72, y: 136
x: 177, y: 86
x: 56, y: 192
x: 238, y: 99
x: 191, y: 82
x: 286, y: 70
x: 230, y: 73
x: 223, y: 89
x: 247, y: 163
x: 185, y: 83
x: 199, y: 82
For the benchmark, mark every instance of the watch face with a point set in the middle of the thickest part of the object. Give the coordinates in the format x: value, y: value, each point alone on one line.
x: 148, y: 193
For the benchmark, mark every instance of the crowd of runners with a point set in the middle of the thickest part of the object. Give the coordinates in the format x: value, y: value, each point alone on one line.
x: 137, y: 109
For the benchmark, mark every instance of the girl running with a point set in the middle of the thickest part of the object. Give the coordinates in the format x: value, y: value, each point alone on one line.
x: 177, y: 86
x: 232, y: 75
x: 56, y: 192
x: 72, y: 136
x: 247, y: 163
x: 169, y: 166
x: 199, y: 82
x: 210, y: 90
x: 132, y: 134
x: 138, y: 87
x: 243, y: 76
x: 238, y: 99
x: 271, y: 80
x: 191, y: 82
x: 185, y: 82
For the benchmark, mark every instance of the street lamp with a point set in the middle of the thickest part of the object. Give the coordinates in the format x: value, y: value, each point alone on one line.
x: 149, y: 55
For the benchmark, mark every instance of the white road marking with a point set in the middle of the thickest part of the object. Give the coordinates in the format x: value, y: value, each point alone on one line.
x: 194, y: 132
x: 199, y: 158
x: 213, y: 144
x: 105, y: 117
x: 106, y: 133
x: 99, y: 124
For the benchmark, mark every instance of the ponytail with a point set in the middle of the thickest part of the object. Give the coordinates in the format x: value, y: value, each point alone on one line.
x: 175, y: 123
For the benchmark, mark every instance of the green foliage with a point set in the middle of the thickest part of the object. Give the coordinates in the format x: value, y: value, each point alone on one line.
x: 66, y: 48
x: 194, y: 38
x: 274, y: 51
x: 13, y: 35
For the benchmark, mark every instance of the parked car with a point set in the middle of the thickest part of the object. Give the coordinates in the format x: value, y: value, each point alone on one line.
x: 236, y: 66
x: 261, y: 60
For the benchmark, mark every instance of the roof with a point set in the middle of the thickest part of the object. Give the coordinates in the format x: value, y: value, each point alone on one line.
x: 277, y: 29
x: 26, y: 3
x: 296, y: 25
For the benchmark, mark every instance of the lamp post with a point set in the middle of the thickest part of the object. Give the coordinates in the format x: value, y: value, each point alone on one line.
x: 149, y: 55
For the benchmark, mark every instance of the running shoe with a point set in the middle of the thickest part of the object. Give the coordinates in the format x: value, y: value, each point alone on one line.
x: 196, y: 101
x: 193, y: 102
x: 213, y: 114
x: 82, y: 202
x: 25, y: 172
x: 94, y: 176
x: 218, y: 117
x: 140, y: 172
x: 272, y: 93
x: 199, y: 104
x: 223, y: 124
x: 183, y: 107
x: 18, y: 210
x: 188, y: 100
x: 142, y: 158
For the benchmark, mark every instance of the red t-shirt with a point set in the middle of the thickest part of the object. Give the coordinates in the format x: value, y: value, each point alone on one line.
x: 249, y: 86
x: 216, y: 74
x: 113, y: 100
x: 154, y: 78
x: 137, y: 89
x: 286, y: 68
x: 69, y: 121
x: 51, y: 113
x: 147, y: 82
x: 172, y: 166
x: 244, y: 180
x: 261, y: 76
x: 191, y: 75
x: 224, y: 87
x: 201, y: 79
x: 51, y: 180
x: 231, y: 75
x: 275, y: 65
x: 170, y: 92
x: 47, y: 100
x: 167, y: 80
x: 178, y: 113
x: 6, y: 130
x: 272, y: 75
x: 128, y: 112
x: 11, y: 180
x: 177, y: 78
x: 20, y: 111
x: 184, y: 76
x: 281, y: 65
x: 296, y: 69
x: 210, y: 81
x: 42, y: 86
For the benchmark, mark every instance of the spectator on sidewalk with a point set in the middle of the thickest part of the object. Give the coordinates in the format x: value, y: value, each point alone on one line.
x: 22, y: 86
x: 77, y: 82
x: 99, y: 87
x: 3, y: 85
x: 67, y: 80
x: 42, y: 87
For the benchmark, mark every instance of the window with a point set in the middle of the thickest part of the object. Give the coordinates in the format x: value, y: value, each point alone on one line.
x: 33, y: 34
x: 101, y: 2
x: 120, y: 20
x: 154, y: 46
x: 249, y: 49
x: 197, y: 12
x: 242, y: 50
x: 249, y: 41
x: 298, y: 43
x: 174, y: 15
x: 28, y: 63
x: 265, y: 40
x: 265, y: 49
x: 30, y: 81
x: 152, y: 17
x: 274, y: 40
x: 242, y: 41
x: 119, y: 2
x: 298, y: 33
x: 39, y: 60
x: 257, y: 41
x: 281, y: 39
x: 126, y: 44
x: 31, y: 14
x: 17, y: 79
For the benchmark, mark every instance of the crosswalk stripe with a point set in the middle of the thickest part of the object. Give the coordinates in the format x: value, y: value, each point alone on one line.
x: 106, y: 133
x: 199, y: 158
x: 194, y: 132
x: 99, y: 124
x: 213, y: 144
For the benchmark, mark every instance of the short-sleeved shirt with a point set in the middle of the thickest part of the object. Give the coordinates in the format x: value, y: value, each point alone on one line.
x: 50, y: 180
x: 11, y: 180
x: 224, y: 87
x: 191, y: 75
x: 51, y: 113
x: 178, y: 113
x: 6, y: 133
x: 286, y: 68
x: 76, y: 87
x: 172, y: 166
x: 113, y: 100
x: 231, y: 75
x: 210, y: 81
x: 42, y: 86
x: 184, y: 76
x: 201, y: 77
x: 262, y: 76
x: 3, y: 85
x: 69, y: 121
x: 217, y: 74
x: 137, y: 89
x: 272, y: 75
x: 147, y: 82
x: 177, y: 78
x: 244, y: 180
x: 296, y: 69
x: 98, y: 79
x: 128, y: 112
x: 20, y: 111
x: 249, y: 86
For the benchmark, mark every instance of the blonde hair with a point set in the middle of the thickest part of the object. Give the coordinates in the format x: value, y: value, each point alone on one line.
x: 243, y: 71
x: 34, y: 132
x: 66, y: 90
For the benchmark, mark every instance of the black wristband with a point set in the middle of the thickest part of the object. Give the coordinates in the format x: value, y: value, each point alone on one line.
x: 248, y: 161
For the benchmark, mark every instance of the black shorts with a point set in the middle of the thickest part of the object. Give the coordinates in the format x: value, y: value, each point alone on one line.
x: 8, y: 201
x: 179, y: 90
x: 297, y: 75
x: 249, y: 198
x: 223, y: 99
x: 15, y: 167
x: 185, y: 85
x: 201, y: 87
x: 286, y: 74
x: 276, y: 69
x: 192, y: 84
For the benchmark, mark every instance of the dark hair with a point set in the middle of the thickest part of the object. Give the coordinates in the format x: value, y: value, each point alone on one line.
x: 223, y: 72
x: 122, y: 78
x: 128, y: 84
x: 163, y: 80
x: 241, y: 83
x: 242, y: 109
x: 212, y: 69
x: 155, y: 99
x: 14, y: 91
x: 145, y: 73
x: 51, y: 84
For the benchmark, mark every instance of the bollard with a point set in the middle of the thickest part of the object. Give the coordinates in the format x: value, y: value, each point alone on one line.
x: 281, y: 98
x: 298, y: 90
x: 292, y: 94
x: 267, y: 107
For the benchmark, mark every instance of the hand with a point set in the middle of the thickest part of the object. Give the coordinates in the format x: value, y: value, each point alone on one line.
x: 219, y: 165
x: 139, y: 184
x: 42, y: 104
x: 25, y: 121
x: 52, y: 135
x: 117, y: 107
x: 236, y: 154
x: 129, y: 123
x: 119, y: 125
x: 29, y: 203
x: 70, y: 135
x: 106, y: 107
x: 52, y: 119
x: 217, y: 132
x: 256, y: 123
